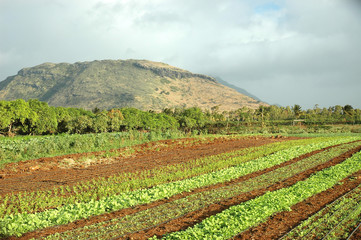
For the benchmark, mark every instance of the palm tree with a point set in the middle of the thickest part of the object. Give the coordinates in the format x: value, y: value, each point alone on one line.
x: 347, y: 109
x: 297, y: 110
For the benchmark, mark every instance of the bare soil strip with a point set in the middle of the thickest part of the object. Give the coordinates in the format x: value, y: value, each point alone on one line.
x: 46, y: 179
x: 195, y: 217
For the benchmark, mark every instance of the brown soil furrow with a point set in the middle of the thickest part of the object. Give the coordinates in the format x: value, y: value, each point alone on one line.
x: 43, y: 180
x: 194, y: 217
x: 356, y: 234
x: 283, y: 222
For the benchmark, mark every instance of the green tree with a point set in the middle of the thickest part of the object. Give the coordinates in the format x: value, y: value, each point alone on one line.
x: 6, y: 117
x: 62, y: 117
x: 192, y: 118
x: 132, y: 118
x: 43, y: 120
x: 14, y: 114
x: 337, y: 110
x: 216, y: 115
x: 168, y: 122
x: 115, y: 120
x: 96, y: 110
x: 275, y: 112
x: 83, y: 124
x: 347, y: 110
x: 168, y: 111
x: 287, y: 113
x: 80, y: 121
x: 243, y: 114
x: 100, y: 122
x: 297, y: 110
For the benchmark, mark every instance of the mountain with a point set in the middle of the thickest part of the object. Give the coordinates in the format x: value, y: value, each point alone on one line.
x: 121, y: 83
x: 238, y: 89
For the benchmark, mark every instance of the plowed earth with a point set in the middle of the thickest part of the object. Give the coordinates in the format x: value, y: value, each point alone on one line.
x: 281, y: 223
x: 44, y: 173
x: 192, y: 218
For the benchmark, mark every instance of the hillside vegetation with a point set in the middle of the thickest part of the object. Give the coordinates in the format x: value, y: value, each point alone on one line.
x: 116, y: 83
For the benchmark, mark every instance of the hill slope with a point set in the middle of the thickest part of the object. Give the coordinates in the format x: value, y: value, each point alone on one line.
x: 117, y: 83
x: 238, y: 89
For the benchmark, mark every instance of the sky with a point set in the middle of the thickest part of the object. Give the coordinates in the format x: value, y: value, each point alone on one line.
x: 285, y: 52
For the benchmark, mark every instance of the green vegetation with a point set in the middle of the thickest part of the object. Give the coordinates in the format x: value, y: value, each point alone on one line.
x: 294, y: 120
x: 329, y: 220
x: 239, y: 218
x: 34, y: 117
x: 146, y: 85
x: 72, y: 130
x: 166, y: 212
x: 349, y: 220
x: 123, y: 182
x: 31, y: 147
x: 17, y: 224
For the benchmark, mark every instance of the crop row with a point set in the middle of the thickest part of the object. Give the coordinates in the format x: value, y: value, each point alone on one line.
x: 18, y: 224
x: 328, y: 221
x: 343, y: 229
x: 31, y: 202
x: 341, y: 224
x: 171, y: 210
x: 245, y: 215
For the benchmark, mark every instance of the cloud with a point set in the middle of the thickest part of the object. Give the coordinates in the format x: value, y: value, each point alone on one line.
x: 278, y: 50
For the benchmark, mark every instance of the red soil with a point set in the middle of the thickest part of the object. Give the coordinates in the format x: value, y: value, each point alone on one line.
x: 197, y: 216
x: 172, y: 153
x: 356, y: 235
x: 34, y: 176
x: 281, y: 223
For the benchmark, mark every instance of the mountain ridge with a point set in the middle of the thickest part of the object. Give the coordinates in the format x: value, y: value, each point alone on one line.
x: 238, y: 89
x: 106, y: 84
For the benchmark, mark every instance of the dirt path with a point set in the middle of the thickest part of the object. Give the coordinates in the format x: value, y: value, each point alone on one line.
x: 195, y: 217
x: 45, y: 179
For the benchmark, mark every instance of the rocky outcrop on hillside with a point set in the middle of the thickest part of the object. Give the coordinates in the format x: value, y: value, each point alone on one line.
x: 109, y: 84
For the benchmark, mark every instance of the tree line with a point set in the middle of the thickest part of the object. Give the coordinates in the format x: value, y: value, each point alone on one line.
x: 268, y: 114
x: 38, y: 118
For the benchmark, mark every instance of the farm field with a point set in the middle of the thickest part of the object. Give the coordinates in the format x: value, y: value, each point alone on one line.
x: 219, y: 187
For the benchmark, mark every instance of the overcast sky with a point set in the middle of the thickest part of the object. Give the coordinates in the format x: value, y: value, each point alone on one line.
x: 287, y: 52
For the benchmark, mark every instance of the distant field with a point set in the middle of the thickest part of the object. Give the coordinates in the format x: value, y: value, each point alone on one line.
x: 21, y: 148
x: 128, y: 186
